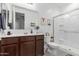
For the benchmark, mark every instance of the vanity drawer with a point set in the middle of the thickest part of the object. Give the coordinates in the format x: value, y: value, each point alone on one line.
x: 39, y: 37
x: 9, y: 40
x: 27, y: 38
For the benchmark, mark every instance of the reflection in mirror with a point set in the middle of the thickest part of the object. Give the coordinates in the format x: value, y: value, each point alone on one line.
x: 19, y: 20
x: 6, y: 19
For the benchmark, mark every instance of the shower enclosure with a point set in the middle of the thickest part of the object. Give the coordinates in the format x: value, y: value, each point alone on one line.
x: 66, y: 32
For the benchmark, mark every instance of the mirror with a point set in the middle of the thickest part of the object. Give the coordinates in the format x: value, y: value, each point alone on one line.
x: 19, y: 20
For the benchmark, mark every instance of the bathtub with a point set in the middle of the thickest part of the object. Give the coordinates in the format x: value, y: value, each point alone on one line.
x: 54, y: 49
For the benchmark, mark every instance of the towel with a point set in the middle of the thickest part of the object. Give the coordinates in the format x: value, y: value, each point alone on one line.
x: 0, y: 21
x: 2, y: 25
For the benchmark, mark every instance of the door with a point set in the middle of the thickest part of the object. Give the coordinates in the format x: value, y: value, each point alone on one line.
x: 28, y: 48
x: 9, y: 50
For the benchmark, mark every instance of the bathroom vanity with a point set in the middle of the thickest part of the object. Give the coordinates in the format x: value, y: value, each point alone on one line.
x: 28, y: 45
x: 18, y: 21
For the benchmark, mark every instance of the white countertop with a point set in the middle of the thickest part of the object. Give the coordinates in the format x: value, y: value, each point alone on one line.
x: 70, y: 50
x: 16, y: 35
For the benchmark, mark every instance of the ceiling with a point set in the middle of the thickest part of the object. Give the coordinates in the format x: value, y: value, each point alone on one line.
x: 51, y: 9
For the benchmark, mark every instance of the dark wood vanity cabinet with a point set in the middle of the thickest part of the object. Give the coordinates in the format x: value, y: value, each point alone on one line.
x: 9, y: 46
x: 22, y: 46
x: 9, y: 50
x: 27, y: 46
x: 39, y: 45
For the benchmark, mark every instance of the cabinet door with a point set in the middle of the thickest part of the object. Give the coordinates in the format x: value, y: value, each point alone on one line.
x: 9, y: 50
x: 39, y: 47
x: 28, y: 48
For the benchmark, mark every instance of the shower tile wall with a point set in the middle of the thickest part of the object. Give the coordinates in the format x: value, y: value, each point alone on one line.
x: 67, y: 29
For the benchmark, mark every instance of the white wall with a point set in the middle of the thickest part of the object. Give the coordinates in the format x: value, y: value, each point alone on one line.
x: 45, y: 28
x: 49, y: 10
x: 67, y: 29
x: 25, y: 5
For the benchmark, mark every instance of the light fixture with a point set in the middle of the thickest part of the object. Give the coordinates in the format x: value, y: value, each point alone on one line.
x: 30, y: 3
x: 66, y: 15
